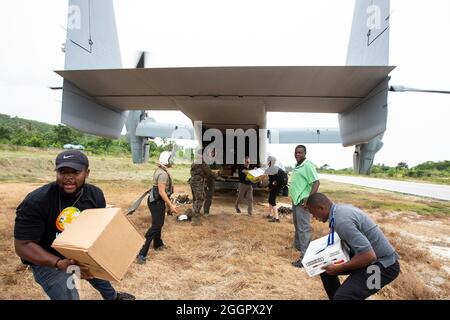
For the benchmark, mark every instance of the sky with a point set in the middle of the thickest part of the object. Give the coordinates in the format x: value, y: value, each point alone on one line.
x: 238, y: 33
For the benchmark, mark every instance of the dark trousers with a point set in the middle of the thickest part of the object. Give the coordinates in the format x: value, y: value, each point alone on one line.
x: 158, y: 211
x: 358, y: 286
x: 273, y: 196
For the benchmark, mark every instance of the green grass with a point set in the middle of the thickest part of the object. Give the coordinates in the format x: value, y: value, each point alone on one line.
x: 26, y: 164
x: 32, y: 165
x: 381, y: 200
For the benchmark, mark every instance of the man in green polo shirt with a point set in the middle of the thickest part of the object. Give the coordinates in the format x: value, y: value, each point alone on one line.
x: 304, y: 182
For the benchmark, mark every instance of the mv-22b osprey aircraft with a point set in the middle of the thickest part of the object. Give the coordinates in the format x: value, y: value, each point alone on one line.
x: 99, y: 96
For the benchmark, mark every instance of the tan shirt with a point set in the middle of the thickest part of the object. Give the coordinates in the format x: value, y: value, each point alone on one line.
x: 162, y: 176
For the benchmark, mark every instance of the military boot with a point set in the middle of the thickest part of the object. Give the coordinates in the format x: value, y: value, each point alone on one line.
x: 196, y: 220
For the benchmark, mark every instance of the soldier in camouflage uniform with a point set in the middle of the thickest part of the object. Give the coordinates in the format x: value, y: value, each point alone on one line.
x: 199, y: 172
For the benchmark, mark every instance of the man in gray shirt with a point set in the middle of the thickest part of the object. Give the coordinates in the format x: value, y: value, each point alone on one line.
x: 373, y: 263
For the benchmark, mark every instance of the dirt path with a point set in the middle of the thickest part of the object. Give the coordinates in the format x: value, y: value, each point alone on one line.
x: 239, y: 257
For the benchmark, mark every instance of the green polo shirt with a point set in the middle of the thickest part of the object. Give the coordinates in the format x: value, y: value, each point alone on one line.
x: 303, y: 177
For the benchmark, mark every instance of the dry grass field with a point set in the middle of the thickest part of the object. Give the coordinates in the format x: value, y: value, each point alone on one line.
x: 230, y: 256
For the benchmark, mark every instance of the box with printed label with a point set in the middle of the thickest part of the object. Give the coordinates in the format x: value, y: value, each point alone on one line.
x: 255, y: 175
x: 319, y: 255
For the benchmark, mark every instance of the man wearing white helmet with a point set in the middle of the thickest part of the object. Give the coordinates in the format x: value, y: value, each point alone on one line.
x: 157, y: 200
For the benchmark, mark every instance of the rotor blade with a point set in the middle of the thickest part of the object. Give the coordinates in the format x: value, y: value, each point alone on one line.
x: 406, y: 89
x: 141, y: 62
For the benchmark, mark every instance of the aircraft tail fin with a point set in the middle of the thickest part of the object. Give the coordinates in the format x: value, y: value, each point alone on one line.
x: 92, y: 43
x: 369, y: 37
x: 92, y: 40
x: 365, y: 125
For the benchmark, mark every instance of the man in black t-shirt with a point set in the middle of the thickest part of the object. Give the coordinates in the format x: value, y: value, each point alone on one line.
x: 245, y: 191
x: 44, y: 214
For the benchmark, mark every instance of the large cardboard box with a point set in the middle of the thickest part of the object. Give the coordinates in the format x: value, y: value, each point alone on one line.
x: 319, y: 255
x: 104, y: 240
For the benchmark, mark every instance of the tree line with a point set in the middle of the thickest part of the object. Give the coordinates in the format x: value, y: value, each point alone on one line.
x: 22, y: 132
x: 30, y: 133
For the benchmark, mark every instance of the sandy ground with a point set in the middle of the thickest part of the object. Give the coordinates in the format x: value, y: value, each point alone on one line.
x: 241, y: 257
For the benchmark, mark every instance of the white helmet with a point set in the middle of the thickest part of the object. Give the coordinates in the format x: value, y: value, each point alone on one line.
x: 165, y: 158
x: 274, y: 165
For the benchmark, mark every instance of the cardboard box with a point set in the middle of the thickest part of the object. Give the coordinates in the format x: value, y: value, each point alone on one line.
x: 104, y: 240
x: 227, y: 172
x: 319, y: 255
x: 255, y: 175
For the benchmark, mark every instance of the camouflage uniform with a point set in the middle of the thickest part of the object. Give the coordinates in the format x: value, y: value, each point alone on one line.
x: 199, y: 172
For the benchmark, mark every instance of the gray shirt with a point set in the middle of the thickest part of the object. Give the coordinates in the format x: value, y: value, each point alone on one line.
x: 361, y: 234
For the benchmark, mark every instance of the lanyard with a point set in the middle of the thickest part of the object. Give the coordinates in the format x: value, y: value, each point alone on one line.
x: 330, y: 240
x: 331, y: 233
x: 59, y: 196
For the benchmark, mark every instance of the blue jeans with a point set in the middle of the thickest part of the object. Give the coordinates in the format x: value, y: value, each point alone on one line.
x: 55, y: 284
x: 302, y: 223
